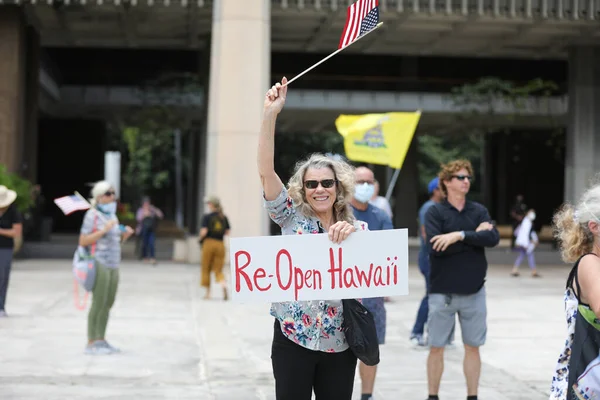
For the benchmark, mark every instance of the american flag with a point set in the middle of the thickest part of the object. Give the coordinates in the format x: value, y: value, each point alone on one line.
x: 70, y: 204
x: 362, y: 16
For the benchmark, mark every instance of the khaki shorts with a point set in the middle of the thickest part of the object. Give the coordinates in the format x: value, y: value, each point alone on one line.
x: 472, y: 315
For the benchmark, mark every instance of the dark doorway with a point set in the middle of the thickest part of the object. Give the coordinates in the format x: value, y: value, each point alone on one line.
x: 71, y: 155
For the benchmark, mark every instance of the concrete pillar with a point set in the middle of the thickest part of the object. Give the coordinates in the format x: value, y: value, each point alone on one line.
x: 583, y: 133
x: 239, y: 78
x: 406, y: 206
x: 12, y: 84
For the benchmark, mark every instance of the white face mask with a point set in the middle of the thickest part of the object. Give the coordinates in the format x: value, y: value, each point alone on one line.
x: 364, y: 192
x: 531, y: 216
x: 108, y: 208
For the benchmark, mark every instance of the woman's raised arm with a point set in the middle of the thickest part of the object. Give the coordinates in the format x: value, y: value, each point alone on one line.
x: 274, y: 101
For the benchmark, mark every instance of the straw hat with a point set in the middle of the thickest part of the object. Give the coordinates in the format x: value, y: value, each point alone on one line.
x: 7, y: 196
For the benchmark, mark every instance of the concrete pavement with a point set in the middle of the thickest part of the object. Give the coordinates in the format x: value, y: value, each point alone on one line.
x: 178, y: 346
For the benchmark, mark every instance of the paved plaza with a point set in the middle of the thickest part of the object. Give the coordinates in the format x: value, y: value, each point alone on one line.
x: 178, y: 346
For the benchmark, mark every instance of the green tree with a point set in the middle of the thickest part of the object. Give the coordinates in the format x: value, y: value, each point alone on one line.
x: 478, y: 103
x: 146, y: 132
x: 20, y: 185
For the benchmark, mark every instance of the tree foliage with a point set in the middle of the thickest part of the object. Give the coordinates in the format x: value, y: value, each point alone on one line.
x: 20, y: 185
x: 146, y: 133
x: 478, y: 103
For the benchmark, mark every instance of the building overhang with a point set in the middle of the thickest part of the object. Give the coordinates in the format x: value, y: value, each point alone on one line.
x: 312, y: 111
x: 479, y: 28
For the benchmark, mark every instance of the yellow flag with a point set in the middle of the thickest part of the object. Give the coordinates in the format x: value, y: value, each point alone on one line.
x: 378, y: 138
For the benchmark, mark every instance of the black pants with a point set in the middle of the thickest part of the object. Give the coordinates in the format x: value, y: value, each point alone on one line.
x: 298, y: 370
x: 5, y: 264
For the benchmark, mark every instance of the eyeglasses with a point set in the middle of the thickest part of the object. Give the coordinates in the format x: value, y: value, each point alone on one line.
x: 326, y: 183
x: 109, y: 193
x: 463, y: 177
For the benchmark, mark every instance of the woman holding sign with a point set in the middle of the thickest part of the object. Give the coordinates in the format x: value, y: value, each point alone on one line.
x: 309, y: 349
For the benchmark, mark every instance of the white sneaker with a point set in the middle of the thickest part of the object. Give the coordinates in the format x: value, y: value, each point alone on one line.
x: 97, y: 348
x: 418, y: 341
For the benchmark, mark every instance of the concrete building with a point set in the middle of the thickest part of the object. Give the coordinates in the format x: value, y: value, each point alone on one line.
x: 240, y: 45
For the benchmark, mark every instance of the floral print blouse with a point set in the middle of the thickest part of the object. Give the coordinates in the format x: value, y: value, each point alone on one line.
x: 316, y: 324
x: 560, y: 380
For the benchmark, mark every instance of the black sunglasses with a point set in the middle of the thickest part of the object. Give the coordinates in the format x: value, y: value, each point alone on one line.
x: 326, y: 183
x: 109, y: 193
x: 463, y: 177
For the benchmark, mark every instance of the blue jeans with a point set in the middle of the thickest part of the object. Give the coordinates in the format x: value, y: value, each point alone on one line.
x: 419, y: 326
x: 148, y: 239
x: 6, y: 256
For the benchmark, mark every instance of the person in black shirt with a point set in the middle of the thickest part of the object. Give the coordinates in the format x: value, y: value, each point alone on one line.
x: 11, y: 227
x: 215, y: 226
x: 458, y: 230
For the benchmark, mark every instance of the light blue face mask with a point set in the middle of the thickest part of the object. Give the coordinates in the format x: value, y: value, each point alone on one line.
x: 108, y: 208
x: 364, y: 192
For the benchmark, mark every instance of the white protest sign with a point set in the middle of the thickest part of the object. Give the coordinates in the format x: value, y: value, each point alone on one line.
x: 311, y: 267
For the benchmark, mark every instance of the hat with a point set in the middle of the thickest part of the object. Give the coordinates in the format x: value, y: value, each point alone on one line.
x: 213, y: 200
x: 7, y: 196
x: 433, y: 184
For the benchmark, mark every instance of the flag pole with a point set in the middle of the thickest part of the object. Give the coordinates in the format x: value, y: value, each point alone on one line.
x: 96, y: 211
x: 388, y: 195
x: 332, y: 54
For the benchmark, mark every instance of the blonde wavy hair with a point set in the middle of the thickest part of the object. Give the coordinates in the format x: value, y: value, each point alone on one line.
x: 342, y: 172
x: 447, y: 170
x: 571, y: 226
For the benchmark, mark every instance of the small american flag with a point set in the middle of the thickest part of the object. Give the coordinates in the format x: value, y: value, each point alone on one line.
x: 70, y: 204
x: 362, y: 16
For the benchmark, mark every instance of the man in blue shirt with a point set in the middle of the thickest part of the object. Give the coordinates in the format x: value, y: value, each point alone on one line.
x: 416, y: 336
x: 377, y: 220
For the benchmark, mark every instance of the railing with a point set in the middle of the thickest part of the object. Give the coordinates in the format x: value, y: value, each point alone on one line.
x: 527, y: 9
x: 386, y: 83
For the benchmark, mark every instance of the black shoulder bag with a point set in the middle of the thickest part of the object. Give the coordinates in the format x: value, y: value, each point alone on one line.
x: 359, y: 328
x: 361, y: 333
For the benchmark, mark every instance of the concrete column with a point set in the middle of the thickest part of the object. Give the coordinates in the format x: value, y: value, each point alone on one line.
x: 583, y: 133
x: 12, y: 83
x: 239, y: 78
x: 406, y: 206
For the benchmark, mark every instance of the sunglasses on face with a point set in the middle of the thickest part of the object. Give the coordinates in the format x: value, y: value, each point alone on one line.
x: 325, y: 183
x: 109, y: 193
x: 463, y: 177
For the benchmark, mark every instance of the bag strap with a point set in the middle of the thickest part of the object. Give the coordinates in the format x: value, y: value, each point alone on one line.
x: 94, y: 230
x: 81, y: 304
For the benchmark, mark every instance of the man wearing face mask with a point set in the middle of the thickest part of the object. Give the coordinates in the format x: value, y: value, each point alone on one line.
x: 376, y: 219
x: 526, y: 241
